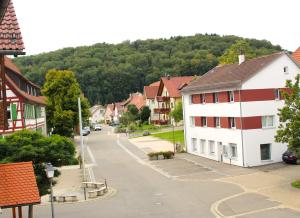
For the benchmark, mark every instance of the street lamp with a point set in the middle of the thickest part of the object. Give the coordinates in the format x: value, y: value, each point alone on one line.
x: 50, y: 175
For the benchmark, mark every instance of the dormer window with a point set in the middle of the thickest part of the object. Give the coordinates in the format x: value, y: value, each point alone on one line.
x: 286, y: 70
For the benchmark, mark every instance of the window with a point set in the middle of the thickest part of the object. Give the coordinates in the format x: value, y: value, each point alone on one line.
x: 211, y: 147
x: 217, y: 122
x: 225, y: 151
x: 192, y: 121
x: 286, y: 70
x: 277, y: 94
x: 8, y: 112
x: 233, y: 150
x: 231, y: 96
x: 194, y: 145
x: 191, y: 99
x: 204, y: 121
x: 216, y: 97
x: 232, y: 122
x: 202, y: 146
x: 267, y: 121
x: 265, y: 152
x: 202, y: 97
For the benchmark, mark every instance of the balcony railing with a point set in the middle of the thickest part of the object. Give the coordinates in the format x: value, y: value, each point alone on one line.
x: 162, y: 110
x: 162, y: 98
x: 160, y: 122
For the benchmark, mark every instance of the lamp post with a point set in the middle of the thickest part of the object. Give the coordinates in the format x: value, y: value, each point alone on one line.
x: 50, y: 175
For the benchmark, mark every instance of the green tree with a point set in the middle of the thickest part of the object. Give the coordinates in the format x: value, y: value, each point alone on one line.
x: 29, y: 145
x: 231, y: 54
x: 289, y: 117
x: 177, y: 113
x: 145, y: 114
x: 132, y: 109
x: 62, y: 91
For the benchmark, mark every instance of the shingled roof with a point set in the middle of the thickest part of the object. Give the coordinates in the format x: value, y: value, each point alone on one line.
x: 296, y: 55
x: 150, y: 91
x: 18, y: 185
x: 232, y: 75
x: 10, y: 33
x: 174, y: 85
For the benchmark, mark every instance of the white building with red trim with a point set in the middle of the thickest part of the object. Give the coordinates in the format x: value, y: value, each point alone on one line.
x: 230, y: 113
x: 25, y: 107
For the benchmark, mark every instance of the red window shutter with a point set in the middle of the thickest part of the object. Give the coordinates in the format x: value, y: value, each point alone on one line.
x: 196, y: 99
x: 210, y: 122
x: 224, y: 122
x: 198, y: 121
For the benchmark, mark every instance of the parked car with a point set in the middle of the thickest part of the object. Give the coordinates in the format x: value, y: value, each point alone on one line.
x: 97, y: 127
x: 85, y: 132
x: 290, y: 157
x: 87, y: 128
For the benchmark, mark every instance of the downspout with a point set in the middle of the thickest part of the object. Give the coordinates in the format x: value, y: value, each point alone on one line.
x: 184, y: 123
x: 242, y: 134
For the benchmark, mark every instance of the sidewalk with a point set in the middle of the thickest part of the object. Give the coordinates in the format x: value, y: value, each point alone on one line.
x: 152, y: 144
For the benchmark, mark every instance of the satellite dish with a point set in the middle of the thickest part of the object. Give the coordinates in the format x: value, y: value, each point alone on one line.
x: 3, y: 7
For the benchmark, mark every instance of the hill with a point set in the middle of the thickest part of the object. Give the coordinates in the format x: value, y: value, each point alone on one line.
x: 108, y: 72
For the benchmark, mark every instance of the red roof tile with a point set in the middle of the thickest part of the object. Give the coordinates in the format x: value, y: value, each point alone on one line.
x: 231, y: 75
x: 10, y: 33
x: 150, y: 91
x: 174, y: 84
x: 3, y: 7
x: 296, y: 55
x: 155, y: 83
x: 136, y: 99
x: 18, y: 185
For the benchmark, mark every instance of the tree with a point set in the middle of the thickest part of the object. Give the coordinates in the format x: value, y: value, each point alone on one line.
x: 177, y: 113
x: 62, y: 91
x: 145, y: 114
x: 29, y: 145
x: 289, y: 117
x: 132, y: 109
x: 231, y: 54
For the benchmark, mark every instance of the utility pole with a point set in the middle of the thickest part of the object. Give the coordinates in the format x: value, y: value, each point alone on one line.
x: 81, y: 138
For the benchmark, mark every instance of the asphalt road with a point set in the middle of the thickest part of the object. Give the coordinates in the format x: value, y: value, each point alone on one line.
x: 141, y: 189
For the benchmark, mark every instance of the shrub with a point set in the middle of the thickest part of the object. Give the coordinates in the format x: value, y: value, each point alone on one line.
x: 166, y: 154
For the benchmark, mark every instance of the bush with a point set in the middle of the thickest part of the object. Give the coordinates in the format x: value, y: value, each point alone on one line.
x: 166, y: 154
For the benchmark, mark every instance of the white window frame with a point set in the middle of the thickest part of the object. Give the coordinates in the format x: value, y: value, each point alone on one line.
x: 202, y: 98
x: 225, y: 150
x: 216, y: 97
x: 192, y: 121
x: 232, y: 121
x: 204, y: 118
x: 218, y: 122
x: 212, y: 144
x: 202, y: 146
x: 270, y: 151
x: 194, y: 145
x: 266, y: 121
x: 231, y: 96
x: 191, y: 99
x: 277, y: 94
x: 231, y: 146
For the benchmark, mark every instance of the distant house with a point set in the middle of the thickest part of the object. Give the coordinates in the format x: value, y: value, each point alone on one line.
x: 25, y: 107
x: 296, y: 55
x: 136, y: 99
x: 230, y: 113
x: 150, y: 93
x: 97, y: 114
x: 113, y: 112
x: 108, y: 115
x: 168, y: 94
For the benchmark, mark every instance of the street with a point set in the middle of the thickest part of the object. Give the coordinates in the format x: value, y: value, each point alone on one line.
x: 160, y: 189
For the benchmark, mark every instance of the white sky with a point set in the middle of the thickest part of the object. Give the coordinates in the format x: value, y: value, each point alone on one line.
x: 48, y: 25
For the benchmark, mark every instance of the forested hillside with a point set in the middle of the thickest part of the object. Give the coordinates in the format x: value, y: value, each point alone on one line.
x: 109, y: 72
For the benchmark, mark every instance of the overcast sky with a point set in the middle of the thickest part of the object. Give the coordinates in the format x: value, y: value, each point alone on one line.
x: 48, y: 25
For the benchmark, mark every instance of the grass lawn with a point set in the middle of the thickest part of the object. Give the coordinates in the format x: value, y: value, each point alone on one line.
x: 296, y: 184
x: 178, y: 135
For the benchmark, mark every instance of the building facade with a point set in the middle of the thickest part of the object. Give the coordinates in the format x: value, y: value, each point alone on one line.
x: 97, y: 114
x: 230, y: 113
x: 24, y: 105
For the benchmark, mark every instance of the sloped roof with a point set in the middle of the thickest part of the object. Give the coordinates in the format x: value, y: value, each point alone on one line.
x: 18, y: 185
x: 136, y: 99
x: 155, y: 83
x: 231, y: 75
x: 3, y: 7
x: 33, y: 99
x: 296, y: 55
x: 10, y: 33
x: 150, y: 91
x: 174, y: 84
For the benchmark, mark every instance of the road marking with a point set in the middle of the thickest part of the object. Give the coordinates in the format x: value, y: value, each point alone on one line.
x: 91, y: 155
x: 139, y: 160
